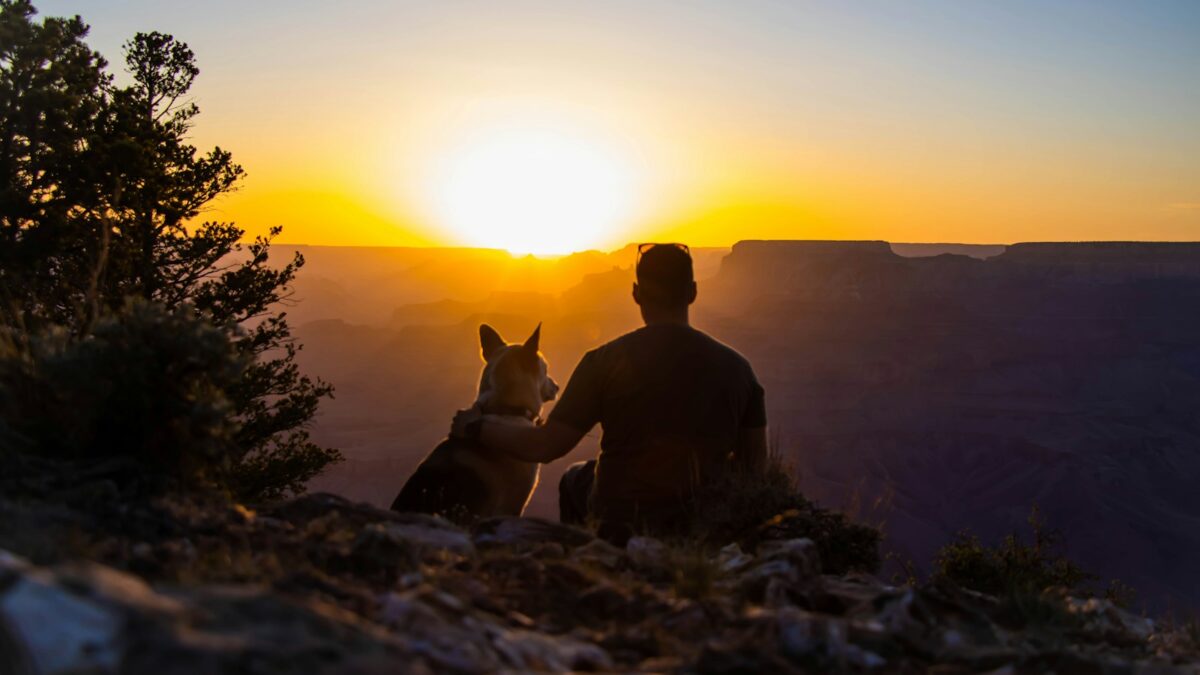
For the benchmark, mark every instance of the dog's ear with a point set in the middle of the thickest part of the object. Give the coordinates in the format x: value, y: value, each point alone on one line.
x: 529, y: 350
x: 490, y: 341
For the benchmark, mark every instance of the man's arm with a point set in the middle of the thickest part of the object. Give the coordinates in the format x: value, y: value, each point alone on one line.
x: 531, y: 444
x: 540, y: 444
x: 751, y: 452
x: 577, y: 411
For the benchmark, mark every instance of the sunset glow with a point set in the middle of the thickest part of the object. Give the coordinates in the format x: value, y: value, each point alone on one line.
x: 530, y: 189
x: 931, y: 121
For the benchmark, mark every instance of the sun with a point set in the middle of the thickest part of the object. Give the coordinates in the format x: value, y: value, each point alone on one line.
x: 540, y: 189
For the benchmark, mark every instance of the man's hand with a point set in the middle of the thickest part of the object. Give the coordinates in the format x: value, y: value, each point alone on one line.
x: 462, y: 418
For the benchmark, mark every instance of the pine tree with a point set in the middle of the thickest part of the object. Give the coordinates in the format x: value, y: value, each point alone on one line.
x: 99, y: 203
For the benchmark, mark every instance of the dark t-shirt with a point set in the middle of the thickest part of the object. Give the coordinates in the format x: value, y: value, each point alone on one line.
x: 672, y: 402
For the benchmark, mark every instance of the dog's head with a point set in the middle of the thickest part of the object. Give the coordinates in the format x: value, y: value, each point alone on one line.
x: 514, y: 375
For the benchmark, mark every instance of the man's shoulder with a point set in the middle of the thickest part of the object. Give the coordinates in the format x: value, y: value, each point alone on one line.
x: 623, y: 341
x: 734, y: 357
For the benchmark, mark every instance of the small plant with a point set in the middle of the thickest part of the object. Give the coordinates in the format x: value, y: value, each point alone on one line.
x: 1177, y: 635
x: 1120, y: 594
x: 1012, y: 567
x: 1045, y: 613
x: 694, y: 572
x: 907, y: 575
x: 749, y: 507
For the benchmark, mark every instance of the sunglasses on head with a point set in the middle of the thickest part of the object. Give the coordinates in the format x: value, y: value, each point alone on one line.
x: 642, y: 248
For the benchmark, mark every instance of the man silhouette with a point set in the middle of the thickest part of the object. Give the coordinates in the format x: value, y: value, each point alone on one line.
x: 678, y: 409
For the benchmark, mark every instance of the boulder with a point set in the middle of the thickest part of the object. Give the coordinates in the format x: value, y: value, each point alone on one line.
x: 780, y: 574
x: 430, y: 544
x: 48, y: 629
x: 526, y: 532
x: 599, y: 552
x: 801, y: 553
x: 731, y: 559
x: 647, y: 554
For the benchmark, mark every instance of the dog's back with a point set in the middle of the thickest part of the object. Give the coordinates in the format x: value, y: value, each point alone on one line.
x: 442, y: 485
x: 461, y: 478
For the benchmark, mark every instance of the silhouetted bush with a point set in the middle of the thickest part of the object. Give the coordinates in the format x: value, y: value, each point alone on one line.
x: 749, y: 508
x: 148, y: 384
x: 102, y: 196
x: 1011, y: 567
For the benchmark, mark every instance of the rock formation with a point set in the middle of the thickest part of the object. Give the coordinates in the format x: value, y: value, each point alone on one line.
x: 324, y: 585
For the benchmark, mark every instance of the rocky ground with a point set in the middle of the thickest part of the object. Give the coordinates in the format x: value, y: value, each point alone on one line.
x: 319, y: 584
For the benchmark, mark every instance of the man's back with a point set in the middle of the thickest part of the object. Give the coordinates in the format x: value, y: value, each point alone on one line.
x: 672, y: 402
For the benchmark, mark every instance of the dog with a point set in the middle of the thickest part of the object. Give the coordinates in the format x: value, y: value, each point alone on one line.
x: 461, y: 478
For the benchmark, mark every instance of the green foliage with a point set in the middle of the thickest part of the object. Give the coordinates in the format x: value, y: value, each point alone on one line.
x: 1045, y: 613
x: 283, y: 467
x: 1120, y: 593
x: 1011, y: 567
x: 148, y: 383
x: 51, y: 99
x: 99, y: 189
x: 694, y: 572
x: 748, y: 507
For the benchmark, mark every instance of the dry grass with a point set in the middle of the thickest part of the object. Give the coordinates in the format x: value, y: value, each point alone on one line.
x: 747, y: 508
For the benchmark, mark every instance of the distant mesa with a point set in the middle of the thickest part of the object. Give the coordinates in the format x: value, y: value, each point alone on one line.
x: 890, y: 267
x: 770, y: 257
x: 1108, y: 258
x: 980, y: 251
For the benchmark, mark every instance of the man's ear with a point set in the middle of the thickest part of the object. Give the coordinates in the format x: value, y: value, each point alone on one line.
x: 637, y: 296
x: 529, y: 350
x: 691, y: 297
x: 490, y: 341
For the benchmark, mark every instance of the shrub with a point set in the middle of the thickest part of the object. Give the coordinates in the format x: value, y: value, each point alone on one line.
x: 747, y: 508
x: 102, y: 197
x: 148, y: 384
x: 282, y: 468
x: 1011, y: 567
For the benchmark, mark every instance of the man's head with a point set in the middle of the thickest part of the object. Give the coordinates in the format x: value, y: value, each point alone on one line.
x: 665, y: 282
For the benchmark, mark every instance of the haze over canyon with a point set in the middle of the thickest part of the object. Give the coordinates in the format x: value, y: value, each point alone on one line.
x: 927, y: 387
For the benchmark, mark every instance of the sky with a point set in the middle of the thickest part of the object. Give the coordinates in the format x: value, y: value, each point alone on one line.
x: 554, y: 126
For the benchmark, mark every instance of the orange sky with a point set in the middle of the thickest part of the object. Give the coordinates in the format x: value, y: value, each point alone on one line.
x: 378, y: 124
